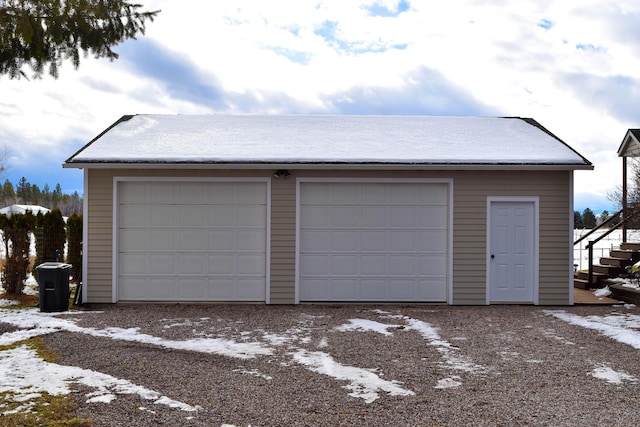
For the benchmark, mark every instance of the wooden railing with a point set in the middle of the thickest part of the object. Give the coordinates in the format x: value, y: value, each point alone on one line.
x: 591, y: 243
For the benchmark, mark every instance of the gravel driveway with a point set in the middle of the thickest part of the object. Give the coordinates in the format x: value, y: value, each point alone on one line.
x: 359, y: 365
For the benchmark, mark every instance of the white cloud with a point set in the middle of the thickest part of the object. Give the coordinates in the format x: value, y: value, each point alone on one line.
x: 566, y: 64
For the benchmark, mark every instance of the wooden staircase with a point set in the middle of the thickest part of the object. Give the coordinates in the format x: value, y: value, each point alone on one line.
x: 609, y: 267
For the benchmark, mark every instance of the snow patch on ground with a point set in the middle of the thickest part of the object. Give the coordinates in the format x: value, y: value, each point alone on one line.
x: 25, y: 375
x: 612, y: 376
x: 363, y: 383
x: 624, y: 328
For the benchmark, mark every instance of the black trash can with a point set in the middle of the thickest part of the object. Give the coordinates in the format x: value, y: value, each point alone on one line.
x: 53, y: 284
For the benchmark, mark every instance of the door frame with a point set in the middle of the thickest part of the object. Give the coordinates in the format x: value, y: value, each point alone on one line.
x: 531, y: 200
x: 349, y: 180
x: 117, y: 180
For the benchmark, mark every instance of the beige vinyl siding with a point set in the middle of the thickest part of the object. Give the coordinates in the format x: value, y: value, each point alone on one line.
x: 100, y: 237
x: 471, y: 189
x: 283, y: 237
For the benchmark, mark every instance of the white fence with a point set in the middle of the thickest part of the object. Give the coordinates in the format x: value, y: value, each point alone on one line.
x: 600, y: 249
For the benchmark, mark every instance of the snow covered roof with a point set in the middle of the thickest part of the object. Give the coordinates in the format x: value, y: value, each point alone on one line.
x: 21, y: 209
x: 359, y: 141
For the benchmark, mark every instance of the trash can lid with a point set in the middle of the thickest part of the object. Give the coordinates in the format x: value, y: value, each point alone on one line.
x: 53, y: 265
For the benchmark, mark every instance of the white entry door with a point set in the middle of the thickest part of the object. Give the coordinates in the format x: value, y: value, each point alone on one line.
x: 512, y: 252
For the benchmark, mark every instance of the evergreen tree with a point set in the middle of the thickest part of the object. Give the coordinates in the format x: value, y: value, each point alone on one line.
x: 46, y: 196
x: 74, y: 248
x: 43, y: 33
x: 35, y: 196
x: 8, y: 193
x: 22, y: 190
x: 577, y: 220
x: 50, y: 237
x: 588, y: 218
x: 16, y: 236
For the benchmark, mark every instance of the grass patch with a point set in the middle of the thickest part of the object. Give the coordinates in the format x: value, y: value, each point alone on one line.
x: 23, y: 300
x: 44, y: 409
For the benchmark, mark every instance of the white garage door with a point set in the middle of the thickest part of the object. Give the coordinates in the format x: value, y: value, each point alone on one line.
x: 192, y: 241
x: 373, y: 242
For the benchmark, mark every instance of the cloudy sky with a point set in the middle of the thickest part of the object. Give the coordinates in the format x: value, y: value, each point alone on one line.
x: 573, y: 66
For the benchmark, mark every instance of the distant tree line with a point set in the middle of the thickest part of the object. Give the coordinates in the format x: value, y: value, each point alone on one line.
x: 25, y: 193
x: 587, y: 219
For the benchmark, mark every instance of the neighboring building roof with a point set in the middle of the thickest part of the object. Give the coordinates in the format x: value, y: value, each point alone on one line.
x: 359, y: 141
x: 21, y: 209
x: 630, y: 146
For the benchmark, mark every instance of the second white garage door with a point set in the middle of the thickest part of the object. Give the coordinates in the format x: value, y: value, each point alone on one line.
x: 373, y: 241
x: 192, y: 241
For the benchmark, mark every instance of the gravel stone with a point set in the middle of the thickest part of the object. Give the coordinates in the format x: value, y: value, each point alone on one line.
x: 493, y: 366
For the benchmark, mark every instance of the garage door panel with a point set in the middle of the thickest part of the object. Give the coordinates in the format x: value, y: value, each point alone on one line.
x: 373, y: 242
x: 315, y: 216
x: 135, y: 192
x: 374, y: 265
x: 403, y: 265
x: 432, y: 290
x: 192, y: 264
x: 345, y: 265
x: 315, y: 290
x: 315, y: 265
x: 251, y: 216
x: 433, y: 194
x: 374, y: 290
x: 192, y: 194
x: 222, y: 264
x: 161, y: 264
x: 163, y: 216
x: 402, y: 241
x: 250, y: 194
x: 346, y: 241
x: 432, y: 266
x: 133, y: 216
x: 222, y: 240
x: 134, y: 240
x: 433, y: 216
x: 345, y: 217
x: 191, y: 288
x: 162, y: 193
x: 248, y: 240
x: 192, y: 241
x: 162, y: 240
x: 133, y: 264
x: 375, y: 216
x: 251, y: 265
x: 432, y: 241
x: 345, y: 289
x: 192, y: 216
x: 403, y: 217
x: 221, y: 216
x: 315, y: 241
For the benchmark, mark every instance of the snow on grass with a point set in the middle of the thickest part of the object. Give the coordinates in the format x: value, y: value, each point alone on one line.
x: 612, y: 376
x: 34, y: 323
x: 26, y: 376
x: 624, y: 328
x: 363, y: 383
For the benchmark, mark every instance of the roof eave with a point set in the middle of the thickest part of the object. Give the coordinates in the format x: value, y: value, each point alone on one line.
x: 329, y: 165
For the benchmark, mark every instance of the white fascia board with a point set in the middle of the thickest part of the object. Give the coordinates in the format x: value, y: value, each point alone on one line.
x: 340, y: 166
